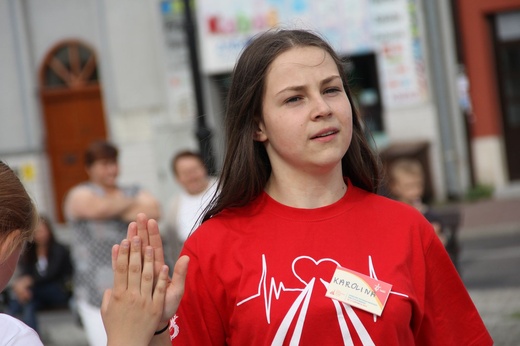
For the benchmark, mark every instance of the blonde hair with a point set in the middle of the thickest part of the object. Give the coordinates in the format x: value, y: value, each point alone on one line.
x: 17, y: 211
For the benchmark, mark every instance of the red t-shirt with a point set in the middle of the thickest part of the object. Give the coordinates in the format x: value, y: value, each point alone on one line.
x: 258, y: 276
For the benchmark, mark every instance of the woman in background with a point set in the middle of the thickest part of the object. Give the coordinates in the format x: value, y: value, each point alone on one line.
x: 43, y: 276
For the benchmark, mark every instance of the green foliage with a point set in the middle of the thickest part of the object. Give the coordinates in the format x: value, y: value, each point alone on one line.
x: 478, y: 192
x: 516, y: 315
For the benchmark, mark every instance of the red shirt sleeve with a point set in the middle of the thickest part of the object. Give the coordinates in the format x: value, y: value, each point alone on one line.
x: 450, y: 317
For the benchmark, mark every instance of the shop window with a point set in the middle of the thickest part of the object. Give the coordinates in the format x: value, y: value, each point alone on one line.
x: 506, y: 32
x: 364, y: 83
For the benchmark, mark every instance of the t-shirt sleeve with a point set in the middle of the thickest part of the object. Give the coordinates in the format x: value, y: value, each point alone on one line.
x: 15, y: 333
x: 25, y: 338
x: 198, y: 320
x: 450, y: 317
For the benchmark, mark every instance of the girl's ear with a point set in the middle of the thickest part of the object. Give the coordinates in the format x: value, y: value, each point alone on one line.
x: 260, y: 135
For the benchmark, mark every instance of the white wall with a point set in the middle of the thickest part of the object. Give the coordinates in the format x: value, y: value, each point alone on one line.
x: 489, y: 161
x: 19, y: 124
x: 32, y: 169
x: 144, y: 124
x: 50, y: 21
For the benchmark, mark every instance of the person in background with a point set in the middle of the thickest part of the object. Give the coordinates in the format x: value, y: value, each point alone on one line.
x: 43, y: 276
x: 18, y: 219
x: 297, y: 209
x: 406, y: 184
x: 98, y: 212
x: 184, y: 209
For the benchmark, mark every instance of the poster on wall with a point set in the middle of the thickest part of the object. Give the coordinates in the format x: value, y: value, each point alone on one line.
x: 179, y: 83
x: 400, y: 55
x: 387, y: 27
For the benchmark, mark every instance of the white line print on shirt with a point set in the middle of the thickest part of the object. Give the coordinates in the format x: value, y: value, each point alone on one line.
x: 175, y: 326
x: 302, y: 301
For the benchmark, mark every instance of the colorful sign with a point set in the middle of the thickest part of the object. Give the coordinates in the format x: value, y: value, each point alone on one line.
x: 387, y: 27
x: 225, y: 26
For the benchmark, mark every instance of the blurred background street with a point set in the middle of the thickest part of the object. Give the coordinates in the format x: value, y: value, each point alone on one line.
x: 489, y: 265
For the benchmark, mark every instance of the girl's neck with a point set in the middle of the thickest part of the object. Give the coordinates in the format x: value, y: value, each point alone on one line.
x: 307, y: 191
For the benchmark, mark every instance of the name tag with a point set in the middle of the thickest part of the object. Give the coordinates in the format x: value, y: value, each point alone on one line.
x: 359, y: 290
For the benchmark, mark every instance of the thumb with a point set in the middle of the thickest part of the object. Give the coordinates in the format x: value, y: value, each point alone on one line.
x: 105, y: 301
x: 179, y: 272
x: 179, y: 278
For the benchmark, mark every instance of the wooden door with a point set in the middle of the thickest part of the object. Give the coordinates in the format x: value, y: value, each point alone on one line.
x: 73, y: 114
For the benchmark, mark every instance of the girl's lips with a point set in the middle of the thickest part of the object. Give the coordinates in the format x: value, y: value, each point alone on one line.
x: 325, y: 133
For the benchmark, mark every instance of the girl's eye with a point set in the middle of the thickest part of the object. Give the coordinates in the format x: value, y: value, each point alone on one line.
x: 293, y: 99
x: 332, y: 90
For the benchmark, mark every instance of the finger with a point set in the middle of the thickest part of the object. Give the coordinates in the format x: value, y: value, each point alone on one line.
x: 115, y: 251
x: 156, y: 241
x: 132, y: 230
x: 106, y: 299
x: 147, y: 277
x: 135, y: 265
x: 142, y: 229
x: 179, y: 278
x: 159, y: 293
x: 121, y: 271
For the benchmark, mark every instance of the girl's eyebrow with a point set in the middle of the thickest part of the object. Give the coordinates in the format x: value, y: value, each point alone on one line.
x: 330, y: 79
x: 301, y: 87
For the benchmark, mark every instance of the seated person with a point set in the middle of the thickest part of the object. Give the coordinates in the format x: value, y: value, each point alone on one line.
x: 406, y: 184
x: 43, y: 273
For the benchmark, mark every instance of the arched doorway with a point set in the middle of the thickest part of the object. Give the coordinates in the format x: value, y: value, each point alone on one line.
x: 73, y: 113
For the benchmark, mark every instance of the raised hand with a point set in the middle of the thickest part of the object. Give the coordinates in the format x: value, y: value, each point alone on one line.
x: 133, y: 309
x: 148, y: 232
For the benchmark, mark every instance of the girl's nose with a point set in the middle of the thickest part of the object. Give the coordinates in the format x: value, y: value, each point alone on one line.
x: 321, y: 108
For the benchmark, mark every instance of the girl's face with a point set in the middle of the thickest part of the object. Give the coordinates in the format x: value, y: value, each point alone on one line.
x: 306, y: 123
x: 41, y: 234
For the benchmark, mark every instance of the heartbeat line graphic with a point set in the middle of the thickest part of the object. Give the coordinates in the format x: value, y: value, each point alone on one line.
x: 268, y: 294
x: 302, y: 302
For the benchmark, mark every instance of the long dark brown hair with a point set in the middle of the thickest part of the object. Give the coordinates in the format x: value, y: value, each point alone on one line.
x: 17, y: 210
x: 246, y: 167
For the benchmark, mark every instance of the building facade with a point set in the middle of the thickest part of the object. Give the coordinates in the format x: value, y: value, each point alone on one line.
x: 77, y: 70
x: 490, y: 42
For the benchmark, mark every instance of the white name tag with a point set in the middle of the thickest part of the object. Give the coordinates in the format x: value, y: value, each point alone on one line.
x: 359, y: 290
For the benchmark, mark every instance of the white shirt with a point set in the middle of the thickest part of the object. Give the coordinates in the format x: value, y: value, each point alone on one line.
x: 13, y: 332
x: 184, y: 210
